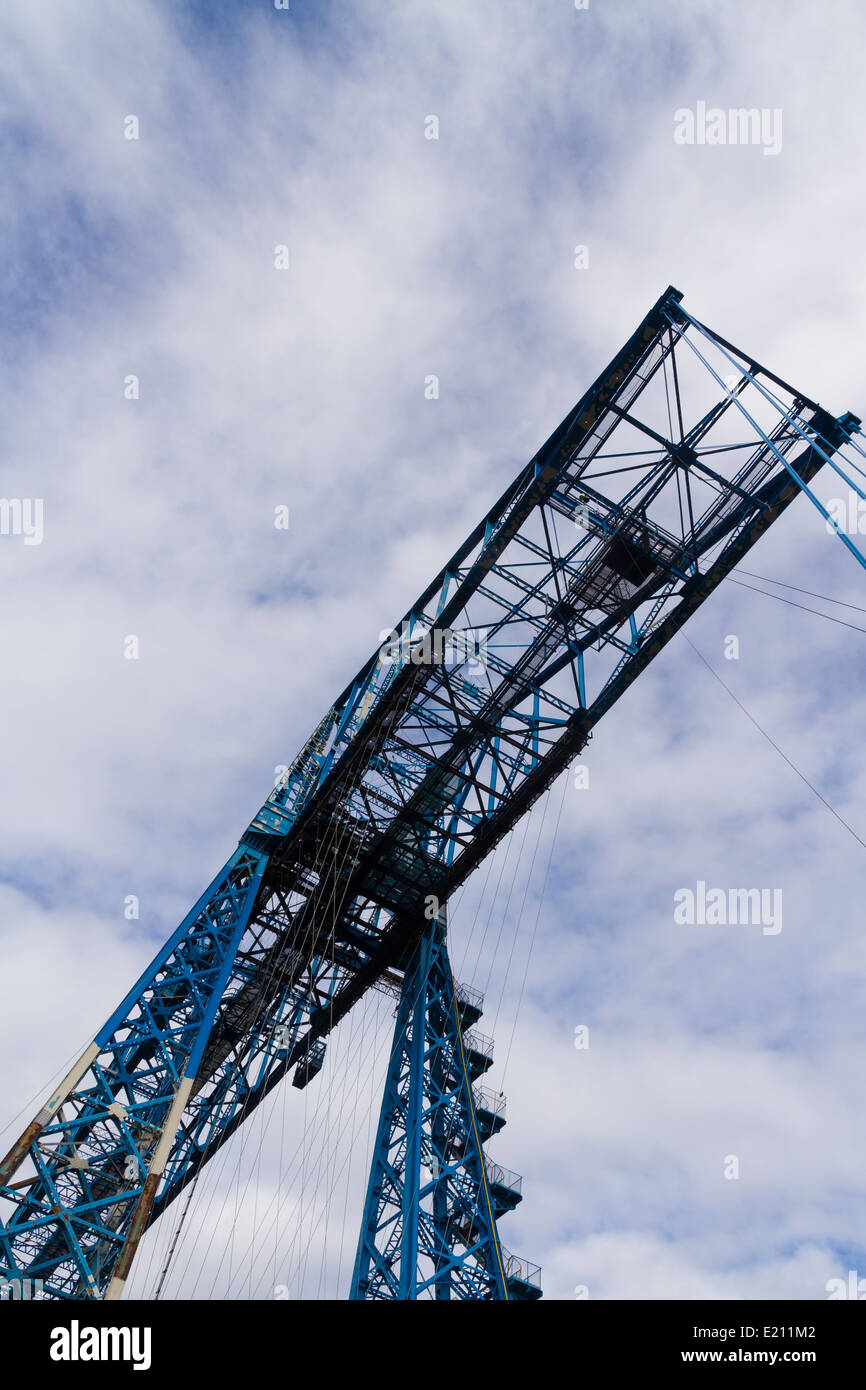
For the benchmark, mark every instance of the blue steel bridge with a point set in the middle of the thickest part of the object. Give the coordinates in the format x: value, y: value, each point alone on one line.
x: 659, y: 481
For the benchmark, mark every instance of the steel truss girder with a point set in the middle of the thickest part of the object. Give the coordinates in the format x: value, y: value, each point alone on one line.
x: 416, y: 772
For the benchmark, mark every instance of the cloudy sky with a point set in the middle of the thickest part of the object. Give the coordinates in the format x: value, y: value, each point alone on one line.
x: 257, y: 387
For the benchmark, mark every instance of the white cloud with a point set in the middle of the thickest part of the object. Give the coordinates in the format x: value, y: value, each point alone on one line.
x: 453, y: 257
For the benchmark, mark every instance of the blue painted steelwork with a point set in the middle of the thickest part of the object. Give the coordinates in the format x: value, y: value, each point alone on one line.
x: 768, y: 395
x: 430, y: 1218
x: 639, y: 504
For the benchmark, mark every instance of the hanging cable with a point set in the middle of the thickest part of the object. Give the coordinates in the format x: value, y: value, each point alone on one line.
x: 773, y: 744
x: 780, y: 598
x: 810, y: 592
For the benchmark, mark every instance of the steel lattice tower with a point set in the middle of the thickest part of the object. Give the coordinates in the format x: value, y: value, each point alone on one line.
x: 569, y: 586
x: 433, y: 1199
